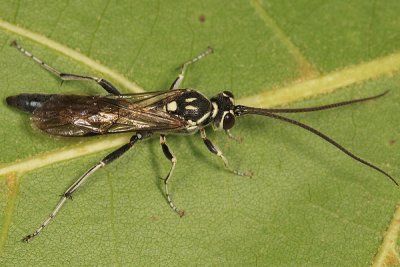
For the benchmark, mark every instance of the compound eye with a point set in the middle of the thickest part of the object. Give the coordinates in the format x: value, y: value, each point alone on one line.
x: 229, y: 121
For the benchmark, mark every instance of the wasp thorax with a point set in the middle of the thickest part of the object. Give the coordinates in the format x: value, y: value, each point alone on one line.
x: 192, y: 106
x: 223, y: 115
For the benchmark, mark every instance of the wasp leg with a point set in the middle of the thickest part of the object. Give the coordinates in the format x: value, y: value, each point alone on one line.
x: 171, y: 157
x: 214, y: 149
x: 233, y: 137
x: 178, y: 81
x: 68, y: 193
x: 67, y: 76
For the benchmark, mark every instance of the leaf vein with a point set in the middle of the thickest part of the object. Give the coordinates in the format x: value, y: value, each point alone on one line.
x: 307, y: 69
x: 99, y: 20
x: 130, y: 70
x: 387, y: 254
x: 12, y: 182
x: 325, y: 84
x: 59, y: 18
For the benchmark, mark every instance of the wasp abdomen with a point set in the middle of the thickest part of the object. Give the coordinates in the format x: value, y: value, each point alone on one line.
x: 28, y: 102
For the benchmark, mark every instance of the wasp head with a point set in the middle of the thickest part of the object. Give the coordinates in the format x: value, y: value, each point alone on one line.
x: 223, y: 110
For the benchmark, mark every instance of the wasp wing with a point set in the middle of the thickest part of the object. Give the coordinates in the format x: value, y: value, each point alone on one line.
x: 75, y: 115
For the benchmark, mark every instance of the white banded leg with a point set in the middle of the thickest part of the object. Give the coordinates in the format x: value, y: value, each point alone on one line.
x: 171, y: 157
x: 68, y: 193
x: 214, y: 149
x: 177, y: 83
x: 67, y: 76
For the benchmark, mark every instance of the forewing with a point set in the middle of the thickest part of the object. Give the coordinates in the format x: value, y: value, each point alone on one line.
x: 72, y: 115
x: 149, y: 99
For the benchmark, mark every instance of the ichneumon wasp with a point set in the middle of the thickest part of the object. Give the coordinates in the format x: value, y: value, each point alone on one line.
x: 183, y: 111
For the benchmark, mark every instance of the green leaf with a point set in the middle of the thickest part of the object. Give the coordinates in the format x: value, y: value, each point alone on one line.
x: 308, y: 203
